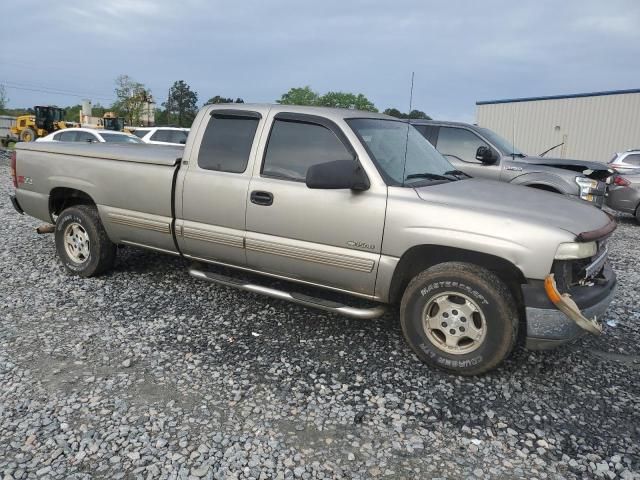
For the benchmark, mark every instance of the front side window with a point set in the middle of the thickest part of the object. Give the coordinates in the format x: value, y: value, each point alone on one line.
x: 295, y: 146
x: 226, y: 143
x: 400, y: 152
x: 459, y: 143
x: 85, y: 137
x: 67, y: 137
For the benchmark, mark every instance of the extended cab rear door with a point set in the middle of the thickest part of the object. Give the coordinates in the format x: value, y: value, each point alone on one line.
x: 327, y: 237
x: 211, y: 205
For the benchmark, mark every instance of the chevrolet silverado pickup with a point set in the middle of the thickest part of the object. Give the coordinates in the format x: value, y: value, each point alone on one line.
x: 480, y: 152
x: 356, y: 207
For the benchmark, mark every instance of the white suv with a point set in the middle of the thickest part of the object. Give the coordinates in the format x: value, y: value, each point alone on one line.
x: 162, y: 135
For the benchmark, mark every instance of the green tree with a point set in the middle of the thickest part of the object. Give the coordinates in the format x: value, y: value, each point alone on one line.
x: 413, y: 114
x: 218, y: 99
x: 131, y: 97
x: 182, y: 104
x: 347, y: 100
x: 160, y: 117
x: 299, y: 96
x: 3, y: 98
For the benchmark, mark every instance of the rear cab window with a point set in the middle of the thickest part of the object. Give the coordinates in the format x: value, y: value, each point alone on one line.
x: 227, y: 141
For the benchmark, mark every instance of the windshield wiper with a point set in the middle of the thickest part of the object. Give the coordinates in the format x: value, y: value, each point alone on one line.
x: 430, y: 176
x: 456, y: 173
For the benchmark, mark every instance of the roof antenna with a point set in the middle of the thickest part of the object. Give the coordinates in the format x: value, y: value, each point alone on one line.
x: 406, y: 140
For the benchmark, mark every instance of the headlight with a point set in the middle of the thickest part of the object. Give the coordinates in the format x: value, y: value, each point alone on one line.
x: 576, y: 250
x: 586, y: 185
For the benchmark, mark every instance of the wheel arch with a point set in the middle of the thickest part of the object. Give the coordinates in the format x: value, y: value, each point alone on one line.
x: 65, y: 197
x: 542, y: 186
x: 547, y: 182
x: 421, y: 257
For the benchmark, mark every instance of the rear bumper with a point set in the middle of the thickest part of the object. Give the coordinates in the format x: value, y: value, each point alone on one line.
x: 16, y: 205
x: 548, y: 327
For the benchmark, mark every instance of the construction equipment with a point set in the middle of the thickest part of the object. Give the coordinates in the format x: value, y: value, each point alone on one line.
x: 111, y: 121
x: 45, y: 120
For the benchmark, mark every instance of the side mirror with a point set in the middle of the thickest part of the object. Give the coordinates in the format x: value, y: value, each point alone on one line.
x: 339, y: 174
x: 485, y: 155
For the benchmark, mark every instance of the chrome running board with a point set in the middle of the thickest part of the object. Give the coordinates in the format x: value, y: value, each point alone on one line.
x: 299, y: 298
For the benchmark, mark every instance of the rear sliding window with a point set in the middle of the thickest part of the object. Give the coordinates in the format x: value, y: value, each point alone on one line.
x: 226, y: 143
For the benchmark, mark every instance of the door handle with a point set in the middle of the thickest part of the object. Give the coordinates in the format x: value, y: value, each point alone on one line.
x: 261, y: 198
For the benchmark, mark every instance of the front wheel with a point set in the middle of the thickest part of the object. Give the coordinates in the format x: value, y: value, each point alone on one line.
x: 459, y: 317
x: 82, y: 243
x: 28, y: 135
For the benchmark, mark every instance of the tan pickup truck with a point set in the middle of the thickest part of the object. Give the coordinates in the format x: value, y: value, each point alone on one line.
x: 341, y: 201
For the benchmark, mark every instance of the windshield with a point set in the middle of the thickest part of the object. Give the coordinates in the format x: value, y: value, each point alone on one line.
x: 117, y: 138
x: 387, y: 140
x: 506, y: 148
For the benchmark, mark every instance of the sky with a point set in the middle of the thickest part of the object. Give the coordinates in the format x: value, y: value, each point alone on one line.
x: 461, y: 51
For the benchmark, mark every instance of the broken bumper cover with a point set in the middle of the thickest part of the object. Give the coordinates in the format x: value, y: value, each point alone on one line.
x: 548, y: 327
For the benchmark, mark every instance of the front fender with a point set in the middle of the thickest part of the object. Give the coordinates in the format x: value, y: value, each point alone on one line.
x: 548, y: 180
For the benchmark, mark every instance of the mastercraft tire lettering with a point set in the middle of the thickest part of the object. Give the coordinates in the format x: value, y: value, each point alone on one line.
x: 459, y: 317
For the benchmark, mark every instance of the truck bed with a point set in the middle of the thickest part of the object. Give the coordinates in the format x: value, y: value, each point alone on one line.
x: 138, y: 153
x: 131, y: 185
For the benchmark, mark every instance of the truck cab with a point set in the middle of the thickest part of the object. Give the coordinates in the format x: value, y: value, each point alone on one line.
x: 356, y: 206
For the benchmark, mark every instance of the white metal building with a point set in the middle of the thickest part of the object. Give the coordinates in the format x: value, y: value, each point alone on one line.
x: 590, y: 126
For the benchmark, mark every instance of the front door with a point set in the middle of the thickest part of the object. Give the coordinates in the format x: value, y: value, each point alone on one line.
x: 460, y: 145
x: 326, y: 237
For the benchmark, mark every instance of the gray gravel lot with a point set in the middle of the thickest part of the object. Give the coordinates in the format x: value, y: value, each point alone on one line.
x: 147, y: 373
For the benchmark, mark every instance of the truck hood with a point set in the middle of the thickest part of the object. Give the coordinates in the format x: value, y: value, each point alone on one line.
x: 519, y: 203
x: 598, y: 171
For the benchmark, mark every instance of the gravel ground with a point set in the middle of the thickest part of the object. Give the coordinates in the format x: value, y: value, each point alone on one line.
x: 147, y: 373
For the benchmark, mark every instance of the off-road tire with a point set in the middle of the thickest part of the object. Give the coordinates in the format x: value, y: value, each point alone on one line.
x: 491, y: 296
x: 102, y: 252
x: 28, y: 133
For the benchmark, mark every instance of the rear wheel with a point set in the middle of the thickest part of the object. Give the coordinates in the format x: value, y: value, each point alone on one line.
x: 459, y: 317
x: 82, y: 243
x: 638, y: 214
x: 28, y: 135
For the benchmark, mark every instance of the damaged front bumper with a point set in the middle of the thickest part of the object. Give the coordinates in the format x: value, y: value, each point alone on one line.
x: 548, y: 326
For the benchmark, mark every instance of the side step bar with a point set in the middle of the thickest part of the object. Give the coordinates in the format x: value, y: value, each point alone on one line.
x: 299, y: 298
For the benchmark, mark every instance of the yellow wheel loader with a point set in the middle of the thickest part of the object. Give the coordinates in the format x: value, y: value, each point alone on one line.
x: 43, y: 122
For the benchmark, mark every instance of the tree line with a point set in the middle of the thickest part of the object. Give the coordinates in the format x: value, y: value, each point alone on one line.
x: 181, y: 105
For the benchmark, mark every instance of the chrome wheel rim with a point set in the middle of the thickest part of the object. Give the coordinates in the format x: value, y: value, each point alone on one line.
x: 454, y: 323
x: 76, y: 242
